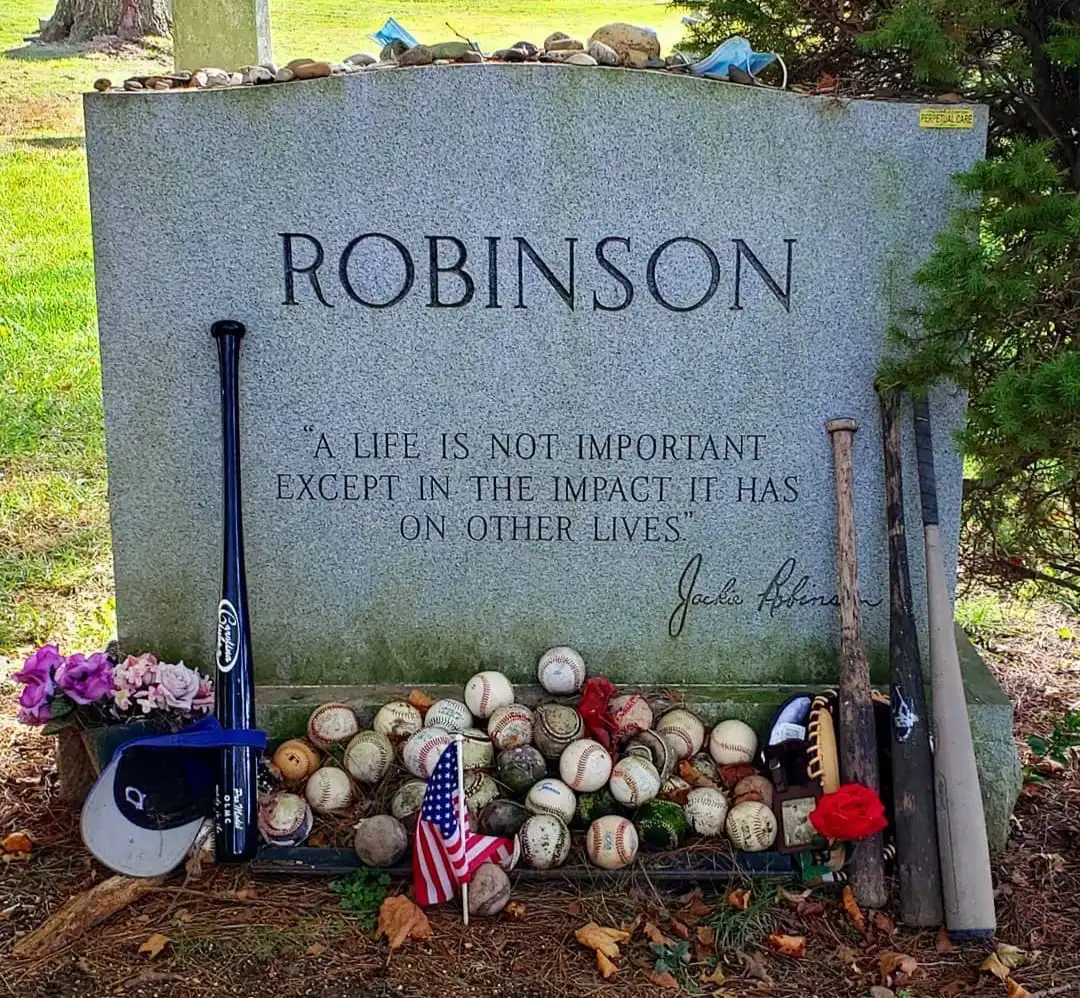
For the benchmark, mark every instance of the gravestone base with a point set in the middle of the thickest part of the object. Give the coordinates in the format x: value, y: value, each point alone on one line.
x: 283, y: 712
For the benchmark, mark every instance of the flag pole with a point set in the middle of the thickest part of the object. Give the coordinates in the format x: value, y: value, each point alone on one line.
x: 459, y: 740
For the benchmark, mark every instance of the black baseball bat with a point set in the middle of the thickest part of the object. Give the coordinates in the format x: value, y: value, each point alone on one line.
x: 918, y: 864
x: 235, y: 802
x: 967, y: 882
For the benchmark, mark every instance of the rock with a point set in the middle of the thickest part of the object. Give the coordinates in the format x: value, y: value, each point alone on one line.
x: 102, y: 84
x: 629, y: 38
x: 235, y: 79
x: 676, y: 59
x: 312, y: 70
x: 555, y: 36
x: 472, y: 56
x: 380, y: 65
x: 655, y: 64
x: 527, y: 47
x: 284, y: 75
x: 418, y: 55
x: 449, y: 50
x: 180, y: 79
x: 359, y: 59
x: 564, y: 45
x: 297, y: 62
x: 157, y: 83
x: 198, y: 79
x: 605, y: 55
x: 338, y: 69
x: 558, y: 55
x: 271, y: 67
x: 510, y: 55
x: 352, y: 67
x: 581, y: 59
x: 737, y: 75
x: 256, y: 74
x: 391, y: 50
x: 132, y: 85
x: 214, y: 77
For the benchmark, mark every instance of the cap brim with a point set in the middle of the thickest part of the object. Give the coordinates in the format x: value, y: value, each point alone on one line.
x: 122, y: 845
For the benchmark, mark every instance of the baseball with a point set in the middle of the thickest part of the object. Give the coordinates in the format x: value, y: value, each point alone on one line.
x: 706, y: 810
x: 480, y: 790
x: 331, y: 724
x: 423, y: 749
x: 296, y: 760
x: 555, y: 725
x: 520, y: 768
x: 408, y: 799
x: 705, y: 766
x: 561, y: 671
x: 631, y: 713
x: 756, y: 787
x: 511, y: 861
x: 611, y: 842
x: 633, y: 781
x: 683, y: 732
x: 368, y: 756
x: 503, y: 818
x: 284, y: 819
x: 511, y: 726
x: 477, y: 752
x: 545, y: 842
x: 487, y: 691
x: 751, y: 826
x: 489, y: 890
x: 328, y: 789
x: 649, y: 745
x: 380, y: 841
x: 585, y: 765
x: 398, y: 719
x: 452, y: 715
x: 551, y: 796
x: 732, y: 742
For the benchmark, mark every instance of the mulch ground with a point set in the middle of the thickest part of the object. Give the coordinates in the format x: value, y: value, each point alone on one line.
x: 232, y: 934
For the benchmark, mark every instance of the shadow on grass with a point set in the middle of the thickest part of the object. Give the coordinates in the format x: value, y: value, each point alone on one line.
x: 50, y: 142
x: 45, y: 51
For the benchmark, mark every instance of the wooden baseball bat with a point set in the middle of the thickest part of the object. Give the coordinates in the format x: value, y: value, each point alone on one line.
x: 858, y: 745
x: 965, y: 856
x: 918, y: 865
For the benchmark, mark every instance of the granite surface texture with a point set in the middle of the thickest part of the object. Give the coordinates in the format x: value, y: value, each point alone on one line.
x: 498, y: 459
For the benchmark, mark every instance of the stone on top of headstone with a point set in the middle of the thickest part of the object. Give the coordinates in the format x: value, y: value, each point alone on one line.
x: 527, y: 47
x: 635, y: 45
x: 555, y: 36
x: 581, y: 59
x: 565, y: 44
x: 605, y: 55
x: 418, y: 55
x: 510, y: 55
x: 392, y: 49
x: 312, y: 70
x: 472, y: 56
x: 220, y: 32
x: 360, y: 59
x: 450, y: 50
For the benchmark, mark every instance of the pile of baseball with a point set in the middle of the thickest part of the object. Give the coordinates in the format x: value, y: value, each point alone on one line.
x: 530, y: 774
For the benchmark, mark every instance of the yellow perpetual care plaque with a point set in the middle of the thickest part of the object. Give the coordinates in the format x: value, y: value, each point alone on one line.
x: 946, y: 117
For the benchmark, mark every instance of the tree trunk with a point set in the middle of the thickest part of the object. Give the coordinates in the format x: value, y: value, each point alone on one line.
x: 81, y: 20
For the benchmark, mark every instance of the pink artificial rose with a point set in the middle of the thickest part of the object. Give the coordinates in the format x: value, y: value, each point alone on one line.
x: 135, y: 672
x: 37, y: 677
x: 204, y: 699
x: 86, y: 679
x: 178, y: 685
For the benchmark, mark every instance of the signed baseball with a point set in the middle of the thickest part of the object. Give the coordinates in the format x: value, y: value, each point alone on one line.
x: 368, y: 756
x: 706, y: 810
x: 296, y: 760
x: 487, y: 691
x: 331, y: 724
x: 423, y: 749
x: 561, y: 671
x: 452, y: 715
x: 329, y: 789
x: 551, y: 796
x: 585, y: 765
x: 732, y: 742
x: 511, y: 726
x: 751, y: 826
x: 611, y: 842
x: 634, y: 781
x: 631, y: 713
x: 683, y: 732
x: 398, y: 719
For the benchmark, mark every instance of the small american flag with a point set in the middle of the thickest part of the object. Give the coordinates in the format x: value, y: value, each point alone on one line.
x: 446, y: 852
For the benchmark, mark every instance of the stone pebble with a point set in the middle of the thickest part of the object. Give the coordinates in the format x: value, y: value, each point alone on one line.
x: 472, y: 56
x: 311, y: 70
x: 564, y: 45
x: 360, y: 59
x: 605, y: 55
x: 256, y: 74
x: 284, y: 75
x: 510, y: 55
x: 418, y: 55
x: 634, y: 45
x: 391, y: 50
x: 450, y: 50
x: 555, y: 36
x: 581, y: 59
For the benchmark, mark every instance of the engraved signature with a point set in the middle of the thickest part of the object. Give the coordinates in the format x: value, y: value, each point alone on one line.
x: 688, y: 596
x: 782, y: 594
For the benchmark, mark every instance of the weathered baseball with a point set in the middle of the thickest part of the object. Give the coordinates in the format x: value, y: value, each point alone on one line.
x: 732, y: 742
x: 585, y: 765
x: 675, y: 788
x: 751, y: 826
x: 631, y: 713
x: 706, y: 810
x: 480, y: 790
x: 284, y: 819
x: 633, y: 781
x: 652, y: 746
x: 503, y: 818
x: 489, y: 890
x: 683, y: 732
x: 423, y: 749
x: 545, y: 841
x: 398, y: 719
x: 756, y: 787
x: 408, y: 799
x: 520, y: 768
x: 368, y: 756
x: 705, y: 766
x: 328, y: 789
x: 551, y: 796
x: 296, y: 760
x: 611, y: 842
x: 487, y: 691
x: 452, y: 715
x: 561, y: 671
x: 511, y: 726
x: 555, y: 725
x: 380, y: 841
x: 477, y: 752
x: 331, y: 724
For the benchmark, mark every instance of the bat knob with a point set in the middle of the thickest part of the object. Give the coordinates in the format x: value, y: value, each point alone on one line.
x: 843, y: 423
x: 227, y: 327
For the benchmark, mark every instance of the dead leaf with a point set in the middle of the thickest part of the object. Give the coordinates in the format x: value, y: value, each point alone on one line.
x: 515, y: 911
x: 318, y: 840
x: 706, y: 935
x: 1014, y: 989
x: 420, y: 700
x: 944, y: 945
x: 952, y: 989
x: 681, y: 930
x: 695, y: 910
x: 854, y: 912
x: 846, y: 955
x: 730, y: 775
x: 246, y: 893
x: 14, y: 857
x: 1011, y: 956
x: 601, y: 939
x: 896, y: 968
x: 154, y: 945
x: 662, y: 980
x: 755, y: 965
x: 1054, y: 860
x: 400, y: 919
x: 992, y: 965
x: 1050, y: 767
x: 17, y: 842
x: 884, y: 924
x: 810, y: 909
x: 877, y: 991
x: 826, y: 85
x: 575, y: 908
x: 654, y: 935
x: 605, y: 966
x: 316, y: 949
x: 787, y: 945
x: 739, y: 898
x: 716, y: 977
x: 689, y: 772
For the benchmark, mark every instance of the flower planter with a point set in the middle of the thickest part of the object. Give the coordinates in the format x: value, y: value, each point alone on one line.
x: 82, y: 753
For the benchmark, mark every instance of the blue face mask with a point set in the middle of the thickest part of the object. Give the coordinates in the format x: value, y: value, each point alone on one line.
x: 735, y: 52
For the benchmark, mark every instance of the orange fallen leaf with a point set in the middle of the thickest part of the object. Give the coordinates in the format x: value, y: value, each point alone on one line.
x: 785, y: 945
x: 810, y: 909
x: 420, y: 700
x: 854, y: 912
x: 680, y: 929
x: 400, y: 919
x: 17, y: 842
x: 944, y: 945
x: 739, y: 898
x: 575, y: 908
x: 154, y: 945
x: 706, y: 935
x: 730, y: 775
x: 716, y: 977
x: 896, y: 968
x: 515, y: 911
x: 992, y: 965
x: 318, y: 840
x: 663, y: 980
x: 696, y: 909
x: 884, y: 924
x: 1014, y: 989
x: 316, y: 949
x: 601, y: 939
x: 605, y: 966
x: 246, y: 893
x: 654, y: 935
x: 846, y: 955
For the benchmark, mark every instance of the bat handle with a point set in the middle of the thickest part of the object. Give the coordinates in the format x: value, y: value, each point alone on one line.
x: 924, y: 451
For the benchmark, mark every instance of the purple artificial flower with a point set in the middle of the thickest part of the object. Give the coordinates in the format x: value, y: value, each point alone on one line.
x: 178, y: 685
x: 86, y: 679
x: 37, y: 677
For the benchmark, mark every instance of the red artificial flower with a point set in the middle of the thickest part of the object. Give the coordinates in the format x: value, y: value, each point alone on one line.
x: 593, y: 708
x: 850, y: 813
